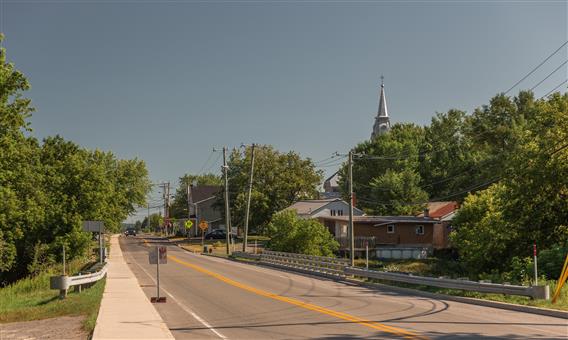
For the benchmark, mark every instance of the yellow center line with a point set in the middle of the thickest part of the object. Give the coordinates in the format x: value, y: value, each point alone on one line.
x: 305, y: 305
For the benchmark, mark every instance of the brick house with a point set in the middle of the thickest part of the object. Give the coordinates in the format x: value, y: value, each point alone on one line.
x: 388, y: 230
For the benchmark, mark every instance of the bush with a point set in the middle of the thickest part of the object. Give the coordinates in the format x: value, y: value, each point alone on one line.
x: 550, y: 261
x: 292, y: 234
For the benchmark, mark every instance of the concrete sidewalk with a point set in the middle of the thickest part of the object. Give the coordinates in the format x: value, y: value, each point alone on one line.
x: 126, y: 312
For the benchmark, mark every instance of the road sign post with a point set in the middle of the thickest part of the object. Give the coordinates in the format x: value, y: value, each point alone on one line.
x: 157, y: 256
x: 188, y: 224
x: 203, y: 225
x: 96, y: 227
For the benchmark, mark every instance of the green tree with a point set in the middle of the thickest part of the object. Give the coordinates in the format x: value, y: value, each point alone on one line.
x: 280, y: 179
x: 398, y: 193
x: 21, y: 197
x: 292, y: 234
x: 448, y: 162
x: 378, y: 161
x: 529, y: 204
x: 47, y: 190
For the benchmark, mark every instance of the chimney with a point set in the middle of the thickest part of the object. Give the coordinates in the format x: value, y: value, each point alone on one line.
x: 426, y: 212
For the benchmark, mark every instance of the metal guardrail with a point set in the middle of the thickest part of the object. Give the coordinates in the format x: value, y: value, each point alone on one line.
x: 307, y: 263
x: 535, y: 292
x: 340, y: 268
x: 62, y: 283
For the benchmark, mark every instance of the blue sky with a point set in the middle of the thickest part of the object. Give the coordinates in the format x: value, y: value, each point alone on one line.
x: 166, y: 81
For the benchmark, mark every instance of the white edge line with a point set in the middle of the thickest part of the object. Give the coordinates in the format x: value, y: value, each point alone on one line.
x: 184, y: 307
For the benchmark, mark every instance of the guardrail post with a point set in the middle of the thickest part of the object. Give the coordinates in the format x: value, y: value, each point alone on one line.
x: 541, y: 292
x: 61, y: 283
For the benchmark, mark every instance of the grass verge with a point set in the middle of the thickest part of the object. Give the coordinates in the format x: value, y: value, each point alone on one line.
x: 32, y: 299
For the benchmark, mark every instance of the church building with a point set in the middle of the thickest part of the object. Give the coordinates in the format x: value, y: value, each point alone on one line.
x: 382, y: 120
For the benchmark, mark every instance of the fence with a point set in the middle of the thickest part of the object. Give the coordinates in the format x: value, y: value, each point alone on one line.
x: 359, y: 242
x: 305, y: 263
x: 62, y: 283
x: 340, y: 268
x: 402, y: 253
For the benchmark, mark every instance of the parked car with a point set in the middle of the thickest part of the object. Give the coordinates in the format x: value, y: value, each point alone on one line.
x: 216, y: 235
x: 130, y: 232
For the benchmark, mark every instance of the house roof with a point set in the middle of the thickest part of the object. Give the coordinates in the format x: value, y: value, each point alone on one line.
x: 202, y: 192
x: 440, y: 209
x: 333, y: 180
x: 306, y: 207
x: 382, y: 220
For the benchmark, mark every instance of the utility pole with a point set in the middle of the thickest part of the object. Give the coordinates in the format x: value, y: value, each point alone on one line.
x: 351, y: 231
x: 166, y: 195
x: 188, y: 193
x: 245, y: 239
x: 227, y: 212
x: 168, y: 209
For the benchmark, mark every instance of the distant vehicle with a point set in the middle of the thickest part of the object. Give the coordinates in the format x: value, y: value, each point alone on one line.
x: 216, y: 235
x: 130, y: 232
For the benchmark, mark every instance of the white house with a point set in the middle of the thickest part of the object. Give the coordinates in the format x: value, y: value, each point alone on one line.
x: 323, y: 207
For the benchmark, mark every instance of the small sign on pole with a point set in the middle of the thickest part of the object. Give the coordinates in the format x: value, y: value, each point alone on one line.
x: 203, y: 225
x: 96, y: 227
x: 157, y: 256
x: 188, y: 224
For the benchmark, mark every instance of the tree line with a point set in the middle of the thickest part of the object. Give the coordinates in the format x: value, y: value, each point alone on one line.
x: 48, y: 187
x: 506, y: 163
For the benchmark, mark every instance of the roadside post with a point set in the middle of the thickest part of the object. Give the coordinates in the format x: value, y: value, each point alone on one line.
x: 203, y: 225
x: 157, y: 256
x: 63, y: 292
x: 367, y: 254
x: 535, y: 265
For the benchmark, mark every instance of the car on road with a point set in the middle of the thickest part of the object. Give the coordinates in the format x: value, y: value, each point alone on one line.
x: 130, y: 232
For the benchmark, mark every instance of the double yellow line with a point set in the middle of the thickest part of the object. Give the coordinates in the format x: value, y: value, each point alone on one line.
x: 305, y: 305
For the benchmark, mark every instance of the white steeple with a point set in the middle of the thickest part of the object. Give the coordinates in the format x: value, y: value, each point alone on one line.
x: 382, y: 121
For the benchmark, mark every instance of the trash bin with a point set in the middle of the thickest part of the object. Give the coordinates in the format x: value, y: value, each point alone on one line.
x: 207, y: 249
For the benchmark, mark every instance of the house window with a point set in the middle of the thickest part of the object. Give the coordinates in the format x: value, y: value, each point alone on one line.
x: 420, y: 230
x: 339, y: 212
x: 332, y: 212
x: 390, y: 228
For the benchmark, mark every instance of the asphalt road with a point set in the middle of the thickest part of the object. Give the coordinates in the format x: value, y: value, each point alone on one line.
x: 212, y: 298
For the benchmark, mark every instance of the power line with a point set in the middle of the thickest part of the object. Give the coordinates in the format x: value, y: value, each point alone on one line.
x: 548, y: 76
x: 469, y: 189
x: 536, y: 68
x: 554, y: 89
x: 325, y: 159
x: 213, y: 164
x: 206, y: 161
